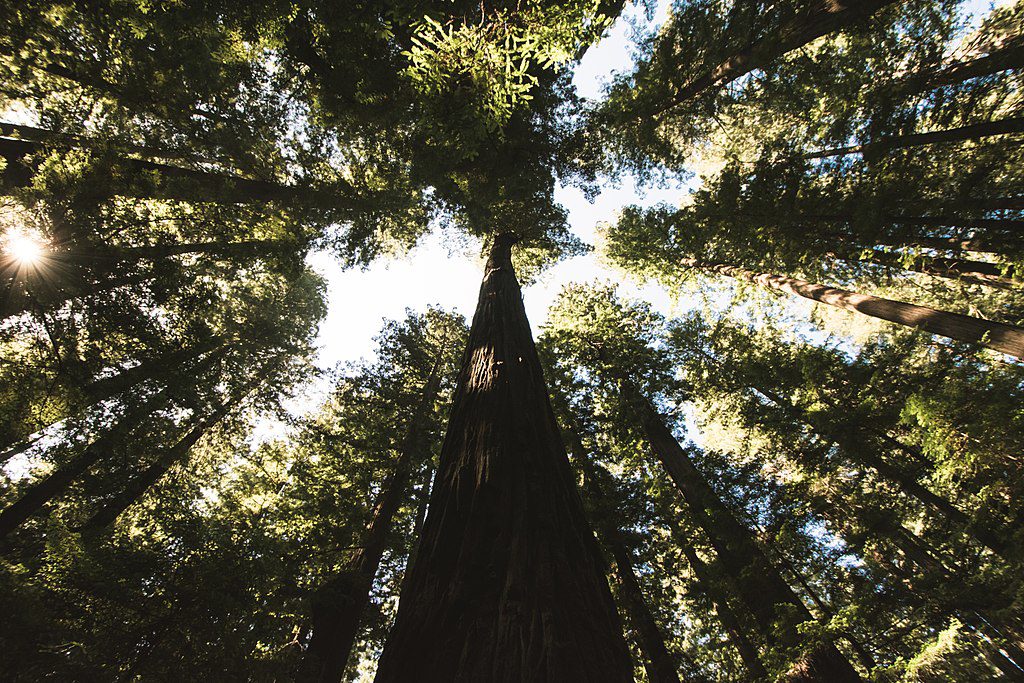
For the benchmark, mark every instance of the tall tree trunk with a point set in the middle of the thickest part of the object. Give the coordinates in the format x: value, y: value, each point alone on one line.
x: 45, y: 295
x: 508, y: 583
x: 866, y: 660
x: 746, y: 649
x: 339, y: 604
x: 657, y: 661
x: 760, y: 585
x: 56, y: 483
x: 885, y: 144
x: 149, y: 179
x: 138, y: 486
x: 822, y: 18
x: 106, y: 388
x: 943, y: 243
x: 1008, y: 56
x: 860, y: 453
x: 1007, y: 339
x: 964, y: 270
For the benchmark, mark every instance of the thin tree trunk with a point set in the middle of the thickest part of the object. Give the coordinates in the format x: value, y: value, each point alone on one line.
x: 339, y: 605
x: 1007, y: 339
x: 746, y: 649
x: 149, y: 179
x: 32, y: 134
x: 759, y: 583
x: 658, y: 663
x: 508, y: 583
x: 825, y: 17
x: 905, y: 480
x: 108, y: 387
x: 56, y: 483
x: 964, y: 270
x: 974, y: 131
x: 657, y: 660
x: 866, y: 660
x: 52, y: 295
x: 941, y: 243
x: 1010, y: 56
x: 138, y: 486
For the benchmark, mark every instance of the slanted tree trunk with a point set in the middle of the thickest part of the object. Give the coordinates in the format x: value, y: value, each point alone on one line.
x: 1008, y: 339
x: 820, y: 19
x: 657, y: 661
x: 1009, y: 56
x: 760, y: 585
x: 866, y: 660
x: 103, y: 389
x: 863, y: 454
x: 43, y: 295
x: 339, y: 604
x: 132, y: 177
x: 942, y: 243
x: 138, y: 486
x: 508, y: 584
x: 746, y: 649
x: 975, y: 131
x: 964, y: 270
x: 56, y: 483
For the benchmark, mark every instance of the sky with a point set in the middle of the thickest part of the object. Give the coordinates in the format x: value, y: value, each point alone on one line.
x: 360, y: 300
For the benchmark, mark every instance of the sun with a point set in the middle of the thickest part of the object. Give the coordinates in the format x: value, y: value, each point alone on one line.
x: 24, y: 247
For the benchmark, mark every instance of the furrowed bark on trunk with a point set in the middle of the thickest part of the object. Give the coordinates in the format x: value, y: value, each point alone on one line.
x: 825, y: 17
x: 1007, y: 339
x: 737, y: 636
x: 976, y: 131
x: 760, y: 585
x: 508, y: 583
x: 56, y: 483
x: 339, y: 604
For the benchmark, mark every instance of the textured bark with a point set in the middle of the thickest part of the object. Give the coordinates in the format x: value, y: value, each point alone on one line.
x: 339, y: 605
x: 975, y: 131
x: 822, y: 18
x: 1007, y: 339
x: 731, y: 624
x: 56, y: 483
x: 760, y: 585
x: 507, y: 584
